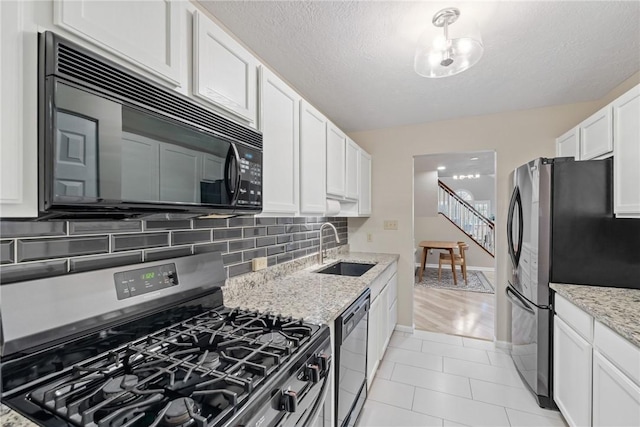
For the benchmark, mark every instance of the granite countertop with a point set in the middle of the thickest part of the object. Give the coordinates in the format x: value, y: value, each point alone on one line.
x: 318, y: 298
x: 617, y: 308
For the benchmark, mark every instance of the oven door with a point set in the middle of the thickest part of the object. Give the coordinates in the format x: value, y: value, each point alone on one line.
x: 103, y: 154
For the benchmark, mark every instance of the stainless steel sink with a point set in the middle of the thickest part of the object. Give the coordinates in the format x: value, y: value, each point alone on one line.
x: 347, y: 269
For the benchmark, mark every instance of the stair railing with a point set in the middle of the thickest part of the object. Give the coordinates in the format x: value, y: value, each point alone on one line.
x: 466, y: 218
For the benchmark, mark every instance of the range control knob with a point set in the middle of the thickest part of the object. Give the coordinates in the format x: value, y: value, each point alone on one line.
x: 173, y: 278
x: 323, y: 361
x: 313, y: 373
x: 289, y: 400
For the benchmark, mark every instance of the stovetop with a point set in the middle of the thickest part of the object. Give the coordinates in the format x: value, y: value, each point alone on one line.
x: 197, y: 372
x: 169, y: 354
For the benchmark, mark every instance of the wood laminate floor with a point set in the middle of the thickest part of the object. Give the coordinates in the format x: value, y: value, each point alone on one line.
x: 469, y: 314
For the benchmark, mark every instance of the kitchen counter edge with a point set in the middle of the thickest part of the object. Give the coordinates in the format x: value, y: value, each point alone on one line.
x: 616, y: 308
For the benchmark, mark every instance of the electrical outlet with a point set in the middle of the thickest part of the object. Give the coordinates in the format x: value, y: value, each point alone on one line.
x: 369, y: 237
x: 390, y: 224
x: 259, y: 263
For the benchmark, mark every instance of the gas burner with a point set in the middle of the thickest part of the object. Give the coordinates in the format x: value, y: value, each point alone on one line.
x: 119, y: 384
x: 180, y: 412
x: 211, y: 360
x: 275, y: 338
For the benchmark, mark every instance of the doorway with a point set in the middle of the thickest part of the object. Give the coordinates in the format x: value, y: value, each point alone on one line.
x: 454, y: 207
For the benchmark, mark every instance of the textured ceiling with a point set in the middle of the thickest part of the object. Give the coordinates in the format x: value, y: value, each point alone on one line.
x: 354, y: 60
x: 457, y: 163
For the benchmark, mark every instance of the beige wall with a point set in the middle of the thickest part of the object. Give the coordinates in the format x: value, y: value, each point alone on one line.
x: 425, y: 193
x: 516, y: 137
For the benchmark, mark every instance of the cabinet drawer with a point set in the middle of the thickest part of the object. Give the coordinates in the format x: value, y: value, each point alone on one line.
x: 618, y: 350
x: 393, y: 289
x: 575, y: 317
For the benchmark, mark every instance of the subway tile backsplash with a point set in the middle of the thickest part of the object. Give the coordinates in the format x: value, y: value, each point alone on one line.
x: 31, y: 250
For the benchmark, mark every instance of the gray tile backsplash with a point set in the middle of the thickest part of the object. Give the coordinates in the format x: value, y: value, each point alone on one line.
x: 31, y: 250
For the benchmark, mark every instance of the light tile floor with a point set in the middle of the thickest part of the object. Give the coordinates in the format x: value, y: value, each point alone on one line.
x: 433, y: 379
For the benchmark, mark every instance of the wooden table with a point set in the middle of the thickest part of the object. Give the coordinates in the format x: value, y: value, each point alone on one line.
x: 434, y: 244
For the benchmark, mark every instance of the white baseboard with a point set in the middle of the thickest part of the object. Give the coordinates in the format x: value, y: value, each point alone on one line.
x: 469, y: 267
x: 503, y: 344
x: 404, y: 328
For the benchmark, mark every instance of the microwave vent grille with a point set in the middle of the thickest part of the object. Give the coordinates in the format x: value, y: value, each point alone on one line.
x: 96, y: 72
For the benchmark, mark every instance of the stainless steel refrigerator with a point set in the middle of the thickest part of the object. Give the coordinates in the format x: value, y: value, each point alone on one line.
x: 561, y: 229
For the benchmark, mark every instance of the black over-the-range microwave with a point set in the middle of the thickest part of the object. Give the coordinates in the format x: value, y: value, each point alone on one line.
x: 113, y: 144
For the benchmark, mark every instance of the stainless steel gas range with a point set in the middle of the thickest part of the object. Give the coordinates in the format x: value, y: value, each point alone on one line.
x: 153, y: 345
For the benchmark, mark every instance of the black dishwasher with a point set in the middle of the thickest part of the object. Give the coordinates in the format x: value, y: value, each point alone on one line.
x: 351, y: 365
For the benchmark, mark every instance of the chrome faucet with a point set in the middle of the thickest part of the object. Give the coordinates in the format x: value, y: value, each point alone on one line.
x: 322, y: 254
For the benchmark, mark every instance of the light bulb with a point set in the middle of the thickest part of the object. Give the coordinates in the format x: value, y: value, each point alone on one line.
x: 464, y: 46
x: 477, y: 175
x: 435, y: 58
x: 455, y: 176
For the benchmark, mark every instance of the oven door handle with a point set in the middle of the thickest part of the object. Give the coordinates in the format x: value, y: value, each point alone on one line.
x: 321, y: 398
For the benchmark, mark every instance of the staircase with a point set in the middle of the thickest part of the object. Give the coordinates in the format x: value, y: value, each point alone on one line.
x: 471, y: 222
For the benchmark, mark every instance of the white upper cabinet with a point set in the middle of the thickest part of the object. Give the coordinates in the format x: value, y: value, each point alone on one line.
x: 18, y: 114
x: 364, y: 169
x: 626, y: 135
x: 224, y: 72
x: 352, y: 172
x: 280, y: 123
x: 336, y: 161
x: 144, y: 33
x: 313, y: 143
x: 596, y: 135
x: 568, y: 145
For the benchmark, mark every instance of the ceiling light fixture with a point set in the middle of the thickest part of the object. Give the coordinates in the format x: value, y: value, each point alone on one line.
x: 441, y: 168
x: 451, y: 52
x: 470, y: 176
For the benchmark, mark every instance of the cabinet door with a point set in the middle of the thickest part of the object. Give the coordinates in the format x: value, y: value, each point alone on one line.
x: 179, y: 174
x: 372, y: 340
x: 313, y: 143
x: 383, y: 322
x: 572, y: 357
x: 352, y: 172
x: 616, y: 399
x: 393, y: 305
x: 224, y: 72
x: 145, y: 33
x: 626, y: 136
x: 596, y: 135
x: 212, y: 167
x: 280, y: 123
x: 568, y: 145
x: 336, y: 151
x: 18, y: 160
x: 364, y: 202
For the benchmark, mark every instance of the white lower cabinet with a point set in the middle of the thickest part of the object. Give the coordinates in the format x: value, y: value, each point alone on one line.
x: 571, y: 374
x: 596, y: 372
x: 616, y: 399
x: 382, y: 319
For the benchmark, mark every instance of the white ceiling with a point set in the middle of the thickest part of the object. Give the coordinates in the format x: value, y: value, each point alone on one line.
x: 457, y: 163
x: 354, y: 59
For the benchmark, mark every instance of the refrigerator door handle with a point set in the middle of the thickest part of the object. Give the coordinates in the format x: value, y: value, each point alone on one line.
x: 518, y: 301
x: 516, y: 202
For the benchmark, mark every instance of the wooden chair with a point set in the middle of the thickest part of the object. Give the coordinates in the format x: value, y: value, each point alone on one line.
x: 460, y: 260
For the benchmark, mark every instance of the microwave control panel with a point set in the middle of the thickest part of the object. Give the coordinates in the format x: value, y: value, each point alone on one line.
x: 250, y: 177
x: 144, y: 280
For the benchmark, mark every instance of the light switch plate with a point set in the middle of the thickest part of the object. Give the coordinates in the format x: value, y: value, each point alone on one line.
x: 259, y: 263
x: 390, y: 224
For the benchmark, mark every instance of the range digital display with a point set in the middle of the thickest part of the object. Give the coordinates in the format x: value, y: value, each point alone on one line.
x: 144, y: 280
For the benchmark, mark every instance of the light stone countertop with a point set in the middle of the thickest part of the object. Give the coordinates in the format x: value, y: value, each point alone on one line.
x: 617, y: 308
x: 318, y: 298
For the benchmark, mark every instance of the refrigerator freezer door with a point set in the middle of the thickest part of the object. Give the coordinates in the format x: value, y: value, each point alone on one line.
x: 530, y: 351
